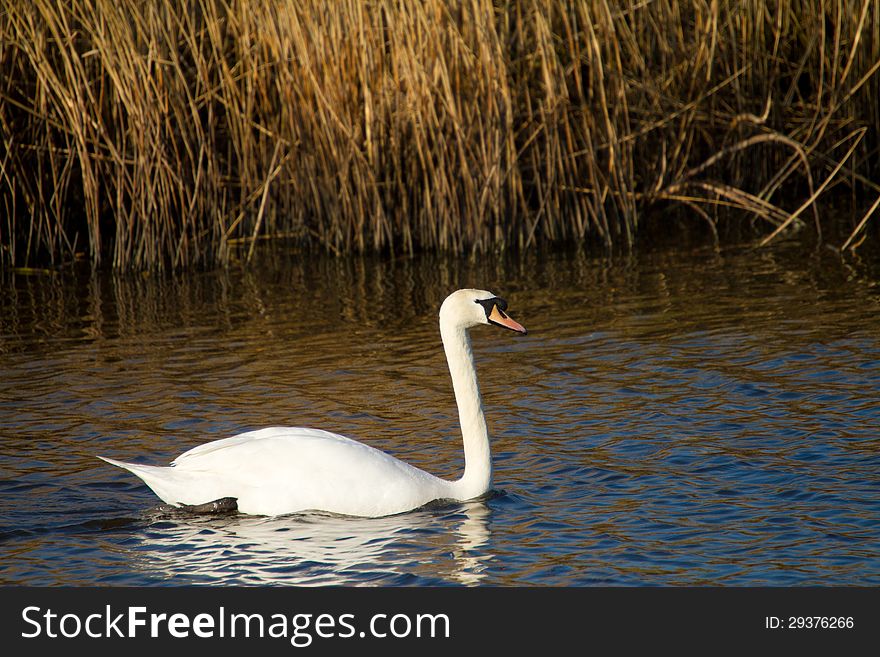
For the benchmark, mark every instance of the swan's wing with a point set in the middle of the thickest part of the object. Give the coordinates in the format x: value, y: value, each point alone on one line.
x: 254, y: 440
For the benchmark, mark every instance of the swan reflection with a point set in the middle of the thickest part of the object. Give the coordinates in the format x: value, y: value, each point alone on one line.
x: 440, y: 546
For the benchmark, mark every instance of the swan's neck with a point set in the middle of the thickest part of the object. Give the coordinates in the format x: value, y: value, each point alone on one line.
x: 477, y: 478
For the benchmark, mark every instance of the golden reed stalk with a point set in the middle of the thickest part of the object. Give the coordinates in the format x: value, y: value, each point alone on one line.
x: 166, y: 133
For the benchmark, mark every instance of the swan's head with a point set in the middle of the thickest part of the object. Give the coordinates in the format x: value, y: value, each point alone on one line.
x: 467, y: 308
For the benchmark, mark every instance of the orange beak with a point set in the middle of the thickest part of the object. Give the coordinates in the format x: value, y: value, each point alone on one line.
x: 498, y: 317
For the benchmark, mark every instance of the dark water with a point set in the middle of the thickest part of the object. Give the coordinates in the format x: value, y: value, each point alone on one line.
x: 671, y: 419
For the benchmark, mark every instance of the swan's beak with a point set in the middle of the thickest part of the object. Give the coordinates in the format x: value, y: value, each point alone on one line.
x: 497, y: 316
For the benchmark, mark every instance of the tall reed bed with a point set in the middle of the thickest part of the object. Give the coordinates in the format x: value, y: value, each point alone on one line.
x: 178, y: 133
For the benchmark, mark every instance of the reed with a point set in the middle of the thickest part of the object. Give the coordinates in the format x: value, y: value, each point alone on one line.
x: 179, y: 133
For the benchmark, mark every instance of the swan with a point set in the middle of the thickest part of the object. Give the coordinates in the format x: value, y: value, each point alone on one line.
x: 280, y: 470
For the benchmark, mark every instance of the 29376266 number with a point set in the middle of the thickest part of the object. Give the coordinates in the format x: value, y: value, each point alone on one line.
x: 820, y: 622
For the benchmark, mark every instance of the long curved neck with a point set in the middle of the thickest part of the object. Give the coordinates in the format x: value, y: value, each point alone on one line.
x: 477, y: 478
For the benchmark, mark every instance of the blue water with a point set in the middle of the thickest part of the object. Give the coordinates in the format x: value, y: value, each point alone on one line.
x: 670, y: 419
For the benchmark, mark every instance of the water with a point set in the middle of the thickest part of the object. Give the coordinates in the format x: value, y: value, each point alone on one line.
x: 670, y: 419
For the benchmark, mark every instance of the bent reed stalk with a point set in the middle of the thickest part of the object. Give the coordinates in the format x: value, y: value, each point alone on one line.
x: 168, y: 133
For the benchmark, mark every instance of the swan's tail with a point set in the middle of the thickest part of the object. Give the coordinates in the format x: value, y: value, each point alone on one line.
x: 141, y: 471
x: 161, y: 480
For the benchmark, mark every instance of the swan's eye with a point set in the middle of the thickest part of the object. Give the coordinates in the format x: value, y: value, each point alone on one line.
x: 494, y: 302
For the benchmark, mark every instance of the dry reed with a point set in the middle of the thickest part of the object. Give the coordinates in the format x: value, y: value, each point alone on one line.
x: 167, y: 133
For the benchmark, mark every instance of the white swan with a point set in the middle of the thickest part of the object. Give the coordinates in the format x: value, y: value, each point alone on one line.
x: 284, y: 470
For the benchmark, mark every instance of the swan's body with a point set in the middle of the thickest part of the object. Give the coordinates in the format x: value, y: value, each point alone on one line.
x: 284, y: 470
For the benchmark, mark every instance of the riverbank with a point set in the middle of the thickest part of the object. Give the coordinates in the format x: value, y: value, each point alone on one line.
x: 142, y: 135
